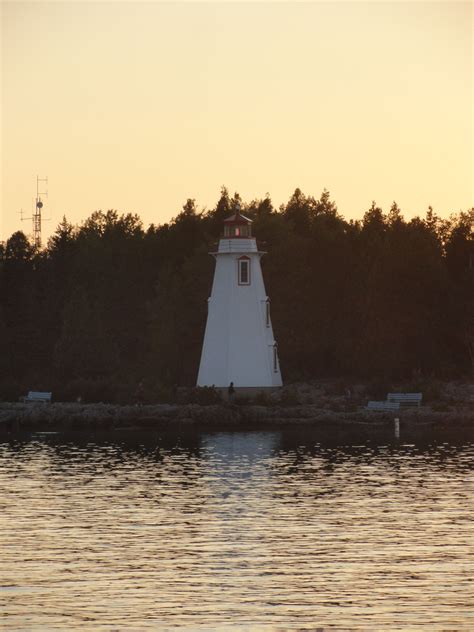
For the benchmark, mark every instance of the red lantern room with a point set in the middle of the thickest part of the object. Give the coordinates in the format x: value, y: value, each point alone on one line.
x: 237, y: 226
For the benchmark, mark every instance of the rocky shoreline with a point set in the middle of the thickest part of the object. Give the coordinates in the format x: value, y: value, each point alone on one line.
x: 68, y: 416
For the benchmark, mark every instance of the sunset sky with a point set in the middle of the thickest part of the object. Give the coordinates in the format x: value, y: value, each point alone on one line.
x: 138, y: 106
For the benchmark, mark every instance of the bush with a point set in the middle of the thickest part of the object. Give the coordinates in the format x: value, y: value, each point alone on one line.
x: 336, y: 389
x: 159, y: 393
x: 379, y: 388
x: 262, y: 399
x: 91, y: 390
x: 441, y: 407
x: 350, y: 407
x: 430, y: 388
x: 204, y: 396
x: 289, y: 397
x: 11, y: 390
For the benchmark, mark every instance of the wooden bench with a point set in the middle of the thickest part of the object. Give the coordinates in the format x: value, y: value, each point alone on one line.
x: 37, y: 396
x: 373, y: 405
x: 405, y: 399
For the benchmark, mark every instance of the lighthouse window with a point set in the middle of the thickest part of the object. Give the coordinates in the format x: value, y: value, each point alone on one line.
x: 244, y: 272
x: 275, y: 358
x: 236, y: 231
x: 267, y: 313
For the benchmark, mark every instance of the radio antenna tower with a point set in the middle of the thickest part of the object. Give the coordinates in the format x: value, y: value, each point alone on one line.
x: 36, y: 216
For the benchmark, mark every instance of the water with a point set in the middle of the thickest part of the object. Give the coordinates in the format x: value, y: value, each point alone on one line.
x: 252, y: 530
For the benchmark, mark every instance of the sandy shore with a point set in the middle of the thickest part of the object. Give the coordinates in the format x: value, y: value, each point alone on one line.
x: 174, y: 416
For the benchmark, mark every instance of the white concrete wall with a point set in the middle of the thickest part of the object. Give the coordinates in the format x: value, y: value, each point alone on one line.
x: 238, y: 346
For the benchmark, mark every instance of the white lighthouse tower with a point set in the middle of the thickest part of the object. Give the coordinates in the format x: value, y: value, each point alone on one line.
x: 239, y: 346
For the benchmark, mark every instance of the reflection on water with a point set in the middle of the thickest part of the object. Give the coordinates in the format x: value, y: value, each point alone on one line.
x: 267, y: 530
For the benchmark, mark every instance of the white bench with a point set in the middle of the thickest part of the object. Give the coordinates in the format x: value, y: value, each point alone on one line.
x: 38, y: 396
x: 405, y: 399
x: 373, y: 405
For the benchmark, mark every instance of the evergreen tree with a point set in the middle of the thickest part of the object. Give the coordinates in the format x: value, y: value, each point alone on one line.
x: 108, y: 300
x: 85, y: 348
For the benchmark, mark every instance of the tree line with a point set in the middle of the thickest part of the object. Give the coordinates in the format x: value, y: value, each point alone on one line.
x: 109, y: 304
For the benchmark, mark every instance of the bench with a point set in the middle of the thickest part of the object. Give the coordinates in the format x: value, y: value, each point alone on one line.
x: 373, y: 405
x: 37, y: 396
x: 405, y: 399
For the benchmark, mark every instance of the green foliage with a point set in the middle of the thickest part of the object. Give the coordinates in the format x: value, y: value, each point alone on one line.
x: 18, y: 248
x: 108, y: 305
x: 262, y: 399
x: 85, y: 347
x: 378, y: 388
x: 92, y: 390
x: 289, y: 397
x: 441, y: 407
x: 11, y: 390
x: 204, y: 396
x: 430, y: 387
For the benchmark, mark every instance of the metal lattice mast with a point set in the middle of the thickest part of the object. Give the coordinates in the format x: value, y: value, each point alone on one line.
x: 36, y: 213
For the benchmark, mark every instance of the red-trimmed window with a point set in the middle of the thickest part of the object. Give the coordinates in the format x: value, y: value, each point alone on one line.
x: 244, y: 270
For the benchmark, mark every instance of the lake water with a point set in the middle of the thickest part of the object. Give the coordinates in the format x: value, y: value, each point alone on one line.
x: 244, y: 530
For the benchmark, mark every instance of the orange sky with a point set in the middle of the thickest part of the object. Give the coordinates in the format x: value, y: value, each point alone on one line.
x: 137, y: 106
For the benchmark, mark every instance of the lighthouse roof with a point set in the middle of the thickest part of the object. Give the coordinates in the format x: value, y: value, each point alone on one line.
x: 237, y: 217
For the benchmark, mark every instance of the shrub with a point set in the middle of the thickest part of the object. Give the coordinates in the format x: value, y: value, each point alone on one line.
x: 339, y: 388
x: 431, y: 389
x: 289, y: 397
x: 262, y: 399
x: 159, y: 393
x: 89, y: 390
x: 11, y: 390
x: 379, y: 388
x: 440, y: 407
x: 204, y: 396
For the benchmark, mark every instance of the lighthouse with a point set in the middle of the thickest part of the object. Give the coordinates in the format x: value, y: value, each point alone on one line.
x: 239, y: 345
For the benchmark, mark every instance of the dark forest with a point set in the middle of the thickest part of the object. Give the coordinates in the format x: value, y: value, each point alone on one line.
x: 109, y: 304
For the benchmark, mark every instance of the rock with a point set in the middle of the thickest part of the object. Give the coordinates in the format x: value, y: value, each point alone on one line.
x: 108, y: 416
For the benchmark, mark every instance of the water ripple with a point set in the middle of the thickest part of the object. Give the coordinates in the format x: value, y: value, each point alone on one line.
x: 244, y: 530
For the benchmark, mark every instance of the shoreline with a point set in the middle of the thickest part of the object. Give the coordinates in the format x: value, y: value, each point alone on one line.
x: 75, y: 416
